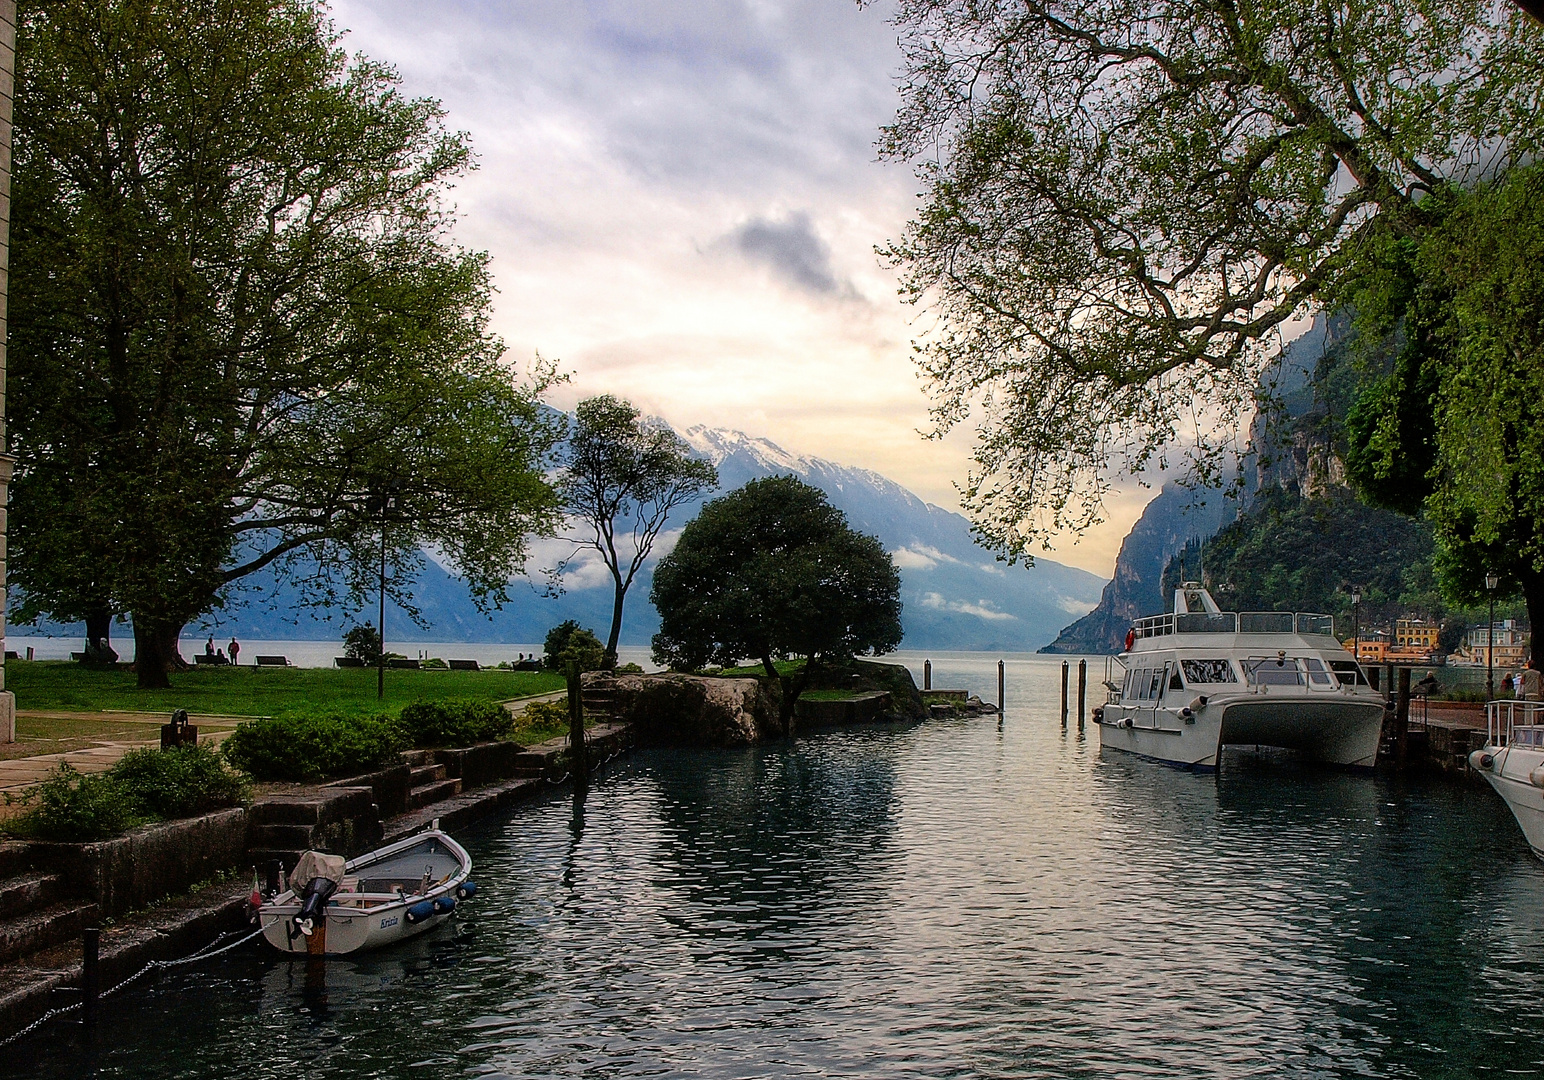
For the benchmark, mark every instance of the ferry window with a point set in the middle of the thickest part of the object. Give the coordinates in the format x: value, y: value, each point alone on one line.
x: 1349, y: 672
x: 1125, y: 690
x: 1316, y: 673
x: 1155, y: 684
x: 1174, y: 680
x: 1139, y: 683
x: 1274, y: 671
x: 1208, y: 671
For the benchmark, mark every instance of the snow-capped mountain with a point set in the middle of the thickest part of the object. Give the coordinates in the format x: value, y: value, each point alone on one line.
x: 956, y: 595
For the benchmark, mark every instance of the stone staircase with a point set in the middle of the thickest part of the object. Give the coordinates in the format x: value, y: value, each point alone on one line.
x: 599, y: 704
x: 427, y: 780
x: 37, y: 908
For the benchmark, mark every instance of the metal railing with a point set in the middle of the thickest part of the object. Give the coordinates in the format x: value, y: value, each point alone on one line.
x: 1509, y: 722
x: 1228, y: 622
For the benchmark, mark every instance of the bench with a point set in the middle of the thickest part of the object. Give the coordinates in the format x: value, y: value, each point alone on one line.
x: 273, y: 661
x: 348, y: 661
x: 205, y: 658
x: 403, y: 662
x: 464, y: 665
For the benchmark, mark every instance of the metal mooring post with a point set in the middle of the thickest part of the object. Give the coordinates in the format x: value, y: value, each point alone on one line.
x: 1082, y: 688
x: 90, y: 979
x: 579, y: 756
x: 1001, y: 697
x: 1065, y: 668
x: 927, y: 674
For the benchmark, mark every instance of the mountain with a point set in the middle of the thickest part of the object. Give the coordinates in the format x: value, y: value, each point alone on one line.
x: 955, y: 595
x: 1174, y: 518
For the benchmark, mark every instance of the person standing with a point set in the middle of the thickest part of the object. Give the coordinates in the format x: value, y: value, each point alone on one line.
x: 233, y: 650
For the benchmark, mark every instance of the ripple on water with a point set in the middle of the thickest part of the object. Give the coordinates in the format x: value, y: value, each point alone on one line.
x: 938, y: 900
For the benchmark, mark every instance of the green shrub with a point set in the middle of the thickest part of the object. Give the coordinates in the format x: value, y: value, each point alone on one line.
x: 540, y: 721
x: 74, y: 808
x: 568, y: 641
x: 309, y: 747
x: 455, y: 722
x: 177, y: 783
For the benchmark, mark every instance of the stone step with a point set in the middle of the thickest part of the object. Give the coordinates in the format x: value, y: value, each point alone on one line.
x: 15, y: 858
x: 260, y: 857
x: 425, y: 774
x: 47, y: 926
x: 280, y: 837
x: 416, y: 758
x: 28, y: 892
x: 420, y: 797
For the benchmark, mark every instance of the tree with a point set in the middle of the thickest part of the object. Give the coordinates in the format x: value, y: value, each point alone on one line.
x: 237, y: 316
x: 1463, y: 305
x: 363, y: 643
x: 1125, y: 200
x: 623, y: 476
x: 569, y: 641
x: 773, y: 572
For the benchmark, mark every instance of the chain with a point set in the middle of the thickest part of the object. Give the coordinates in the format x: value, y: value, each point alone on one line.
x: 202, y: 954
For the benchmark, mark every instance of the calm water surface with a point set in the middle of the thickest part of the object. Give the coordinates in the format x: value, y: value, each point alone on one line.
x: 946, y: 899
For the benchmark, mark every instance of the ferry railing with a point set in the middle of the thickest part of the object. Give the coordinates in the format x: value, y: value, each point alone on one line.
x: 1510, y: 722
x: 1229, y: 622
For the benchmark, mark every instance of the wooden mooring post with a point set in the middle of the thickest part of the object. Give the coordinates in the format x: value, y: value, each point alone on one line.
x: 1001, y: 698
x: 1065, y: 668
x: 927, y: 674
x: 1402, y: 720
x: 1082, y: 688
x: 90, y: 974
x: 578, y: 753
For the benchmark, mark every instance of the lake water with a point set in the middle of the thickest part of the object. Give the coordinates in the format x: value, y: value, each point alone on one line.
x: 942, y: 899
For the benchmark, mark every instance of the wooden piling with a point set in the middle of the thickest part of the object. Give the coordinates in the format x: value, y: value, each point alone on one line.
x: 1001, y: 699
x: 927, y: 674
x: 1065, y: 668
x: 90, y: 975
x: 1402, y: 720
x: 1082, y: 688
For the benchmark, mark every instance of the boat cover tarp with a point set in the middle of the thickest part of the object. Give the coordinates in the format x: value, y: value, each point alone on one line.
x: 316, y: 864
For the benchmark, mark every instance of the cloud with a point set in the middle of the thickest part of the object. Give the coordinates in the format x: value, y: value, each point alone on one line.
x: 921, y: 557
x: 793, y: 251
x: 981, y: 610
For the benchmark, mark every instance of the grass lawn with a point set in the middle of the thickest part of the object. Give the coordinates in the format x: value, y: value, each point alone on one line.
x: 245, y: 691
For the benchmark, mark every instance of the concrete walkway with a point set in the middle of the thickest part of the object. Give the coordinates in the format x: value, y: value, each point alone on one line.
x: 144, y: 730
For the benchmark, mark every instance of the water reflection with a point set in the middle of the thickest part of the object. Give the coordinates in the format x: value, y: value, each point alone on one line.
x: 948, y: 899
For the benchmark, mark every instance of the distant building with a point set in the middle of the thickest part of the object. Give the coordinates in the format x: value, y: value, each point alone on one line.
x: 1416, y: 634
x: 1373, y: 647
x: 1506, y: 645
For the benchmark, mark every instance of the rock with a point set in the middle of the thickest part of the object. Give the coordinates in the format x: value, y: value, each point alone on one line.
x: 689, y: 710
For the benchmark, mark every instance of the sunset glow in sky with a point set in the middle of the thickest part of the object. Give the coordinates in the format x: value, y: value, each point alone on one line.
x: 683, y: 201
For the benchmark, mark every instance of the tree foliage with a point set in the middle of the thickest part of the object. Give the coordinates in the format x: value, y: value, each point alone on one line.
x: 238, y: 315
x: 1464, y: 303
x: 623, y: 476
x: 772, y: 571
x: 1124, y: 201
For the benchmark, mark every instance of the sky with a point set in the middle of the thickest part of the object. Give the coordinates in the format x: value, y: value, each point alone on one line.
x: 682, y: 200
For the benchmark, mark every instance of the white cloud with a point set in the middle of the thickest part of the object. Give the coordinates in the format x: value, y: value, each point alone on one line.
x: 981, y: 609
x: 920, y: 557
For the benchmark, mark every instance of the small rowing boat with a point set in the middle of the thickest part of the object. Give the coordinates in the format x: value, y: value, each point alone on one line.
x: 333, y: 906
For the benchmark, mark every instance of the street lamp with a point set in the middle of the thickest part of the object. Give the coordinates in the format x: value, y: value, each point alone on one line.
x: 1491, y: 581
x: 1356, y: 643
x: 383, y: 500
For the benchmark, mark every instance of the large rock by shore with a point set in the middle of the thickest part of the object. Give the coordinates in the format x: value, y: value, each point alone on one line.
x: 688, y: 710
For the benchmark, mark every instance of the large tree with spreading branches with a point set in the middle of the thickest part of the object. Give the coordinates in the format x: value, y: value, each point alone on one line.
x: 242, y: 335
x: 1125, y: 201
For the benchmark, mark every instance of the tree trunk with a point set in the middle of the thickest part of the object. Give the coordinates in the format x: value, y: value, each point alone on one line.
x: 1533, y: 598
x: 616, y: 623
x: 155, y: 653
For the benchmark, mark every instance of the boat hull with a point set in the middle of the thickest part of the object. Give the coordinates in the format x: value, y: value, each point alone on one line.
x: 346, y: 933
x: 1339, y: 731
x: 1514, y: 774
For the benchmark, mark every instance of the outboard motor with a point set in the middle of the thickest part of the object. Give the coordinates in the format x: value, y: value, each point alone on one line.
x: 313, y: 903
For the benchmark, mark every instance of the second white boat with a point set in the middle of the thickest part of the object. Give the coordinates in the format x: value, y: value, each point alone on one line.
x: 1198, y: 679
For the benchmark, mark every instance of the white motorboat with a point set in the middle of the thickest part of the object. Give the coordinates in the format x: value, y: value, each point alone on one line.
x: 333, y: 906
x: 1199, y: 678
x: 1512, y: 760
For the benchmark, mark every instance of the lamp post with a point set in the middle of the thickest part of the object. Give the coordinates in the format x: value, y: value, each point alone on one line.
x: 383, y: 499
x: 1491, y: 581
x: 1356, y: 626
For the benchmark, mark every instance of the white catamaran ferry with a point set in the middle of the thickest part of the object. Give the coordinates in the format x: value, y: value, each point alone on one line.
x: 1199, y: 679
